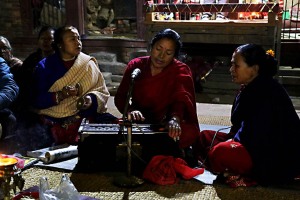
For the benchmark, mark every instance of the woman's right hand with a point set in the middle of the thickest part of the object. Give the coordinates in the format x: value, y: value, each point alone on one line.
x: 68, y: 91
x: 137, y: 116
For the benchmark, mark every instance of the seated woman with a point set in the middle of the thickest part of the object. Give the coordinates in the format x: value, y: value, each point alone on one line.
x: 8, y: 93
x: 262, y: 145
x: 6, y: 53
x: 23, y: 76
x: 68, y: 86
x: 163, y: 94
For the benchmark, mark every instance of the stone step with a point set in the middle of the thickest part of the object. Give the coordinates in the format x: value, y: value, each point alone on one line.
x: 113, y: 87
x: 220, y: 70
x: 218, y: 78
x: 219, y: 82
x: 112, y: 81
x: 289, y: 80
x: 116, y: 78
x: 293, y: 90
x: 215, y: 98
x: 219, y: 91
x: 113, y: 84
x: 111, y: 69
x: 116, y: 68
x: 288, y: 71
x: 107, y: 77
x: 138, y: 53
x: 220, y: 85
x: 102, y: 56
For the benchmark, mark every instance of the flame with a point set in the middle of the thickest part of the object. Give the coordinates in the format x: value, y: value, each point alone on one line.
x: 7, y: 161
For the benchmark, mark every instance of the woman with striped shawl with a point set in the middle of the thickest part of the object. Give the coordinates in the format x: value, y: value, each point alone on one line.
x: 69, y: 86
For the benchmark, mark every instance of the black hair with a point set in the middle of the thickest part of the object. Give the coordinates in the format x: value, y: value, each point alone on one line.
x: 45, y: 29
x: 170, y: 34
x: 255, y: 55
x: 58, y: 36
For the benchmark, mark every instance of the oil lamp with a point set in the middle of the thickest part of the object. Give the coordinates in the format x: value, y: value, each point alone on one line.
x: 10, y: 177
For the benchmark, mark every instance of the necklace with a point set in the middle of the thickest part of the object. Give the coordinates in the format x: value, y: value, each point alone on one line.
x: 68, y: 59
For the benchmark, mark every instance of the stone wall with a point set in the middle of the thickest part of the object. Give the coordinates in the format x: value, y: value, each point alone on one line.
x: 123, y: 48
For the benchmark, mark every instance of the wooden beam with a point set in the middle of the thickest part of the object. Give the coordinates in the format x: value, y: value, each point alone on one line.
x: 228, y: 7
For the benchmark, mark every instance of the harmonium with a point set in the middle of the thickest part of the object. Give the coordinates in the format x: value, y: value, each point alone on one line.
x: 87, y: 129
x: 104, y: 146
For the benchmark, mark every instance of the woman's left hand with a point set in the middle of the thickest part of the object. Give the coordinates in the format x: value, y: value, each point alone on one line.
x: 174, y: 128
x: 84, y: 102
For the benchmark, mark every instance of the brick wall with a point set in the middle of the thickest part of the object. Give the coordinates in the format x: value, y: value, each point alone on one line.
x: 16, y: 25
x: 10, y: 18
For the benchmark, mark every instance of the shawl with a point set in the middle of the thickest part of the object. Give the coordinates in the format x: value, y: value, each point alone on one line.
x: 161, y: 96
x: 86, y: 72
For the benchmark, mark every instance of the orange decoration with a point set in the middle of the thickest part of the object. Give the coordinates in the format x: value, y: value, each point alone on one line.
x: 7, y: 161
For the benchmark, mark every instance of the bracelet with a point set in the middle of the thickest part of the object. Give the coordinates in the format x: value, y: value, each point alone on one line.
x: 58, y: 97
x: 175, y: 119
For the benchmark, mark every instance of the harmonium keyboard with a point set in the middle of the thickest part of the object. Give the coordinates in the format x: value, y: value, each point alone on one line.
x: 87, y: 129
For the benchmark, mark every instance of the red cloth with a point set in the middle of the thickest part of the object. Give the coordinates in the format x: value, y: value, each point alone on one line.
x: 68, y: 134
x: 158, y: 97
x: 184, y: 170
x: 222, y: 155
x: 163, y: 170
x: 230, y: 156
x: 160, y: 170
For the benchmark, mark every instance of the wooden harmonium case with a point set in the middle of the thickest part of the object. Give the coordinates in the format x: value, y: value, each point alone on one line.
x: 102, y: 145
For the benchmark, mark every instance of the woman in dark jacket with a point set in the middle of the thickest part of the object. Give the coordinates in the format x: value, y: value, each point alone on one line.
x: 23, y: 76
x: 263, y: 142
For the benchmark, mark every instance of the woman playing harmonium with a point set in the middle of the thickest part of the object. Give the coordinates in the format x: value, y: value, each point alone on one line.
x: 163, y: 94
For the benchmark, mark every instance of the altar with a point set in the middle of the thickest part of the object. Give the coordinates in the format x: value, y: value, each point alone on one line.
x: 235, y: 30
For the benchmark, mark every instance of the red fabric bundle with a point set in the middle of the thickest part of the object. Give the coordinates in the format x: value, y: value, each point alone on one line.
x: 68, y: 134
x: 163, y: 170
x: 230, y: 156
x: 160, y: 170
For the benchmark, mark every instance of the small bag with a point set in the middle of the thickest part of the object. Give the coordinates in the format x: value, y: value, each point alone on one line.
x: 65, y: 190
x: 66, y: 132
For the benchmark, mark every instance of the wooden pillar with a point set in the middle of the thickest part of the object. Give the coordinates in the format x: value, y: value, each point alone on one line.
x: 140, y: 19
x: 75, y: 10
